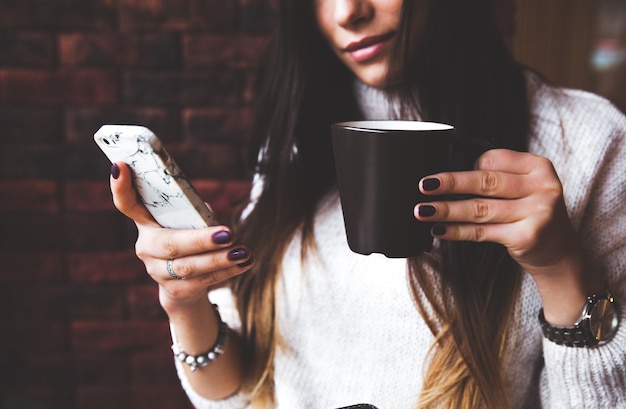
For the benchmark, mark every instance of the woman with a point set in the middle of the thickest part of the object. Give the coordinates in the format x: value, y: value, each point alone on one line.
x: 318, y: 326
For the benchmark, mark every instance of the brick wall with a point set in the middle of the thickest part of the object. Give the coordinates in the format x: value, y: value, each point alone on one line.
x: 81, y: 323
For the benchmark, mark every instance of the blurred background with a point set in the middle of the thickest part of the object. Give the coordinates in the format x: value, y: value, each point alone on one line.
x: 81, y: 323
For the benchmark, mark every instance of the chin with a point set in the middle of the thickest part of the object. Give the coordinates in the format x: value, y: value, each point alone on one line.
x: 374, y: 76
x: 375, y: 81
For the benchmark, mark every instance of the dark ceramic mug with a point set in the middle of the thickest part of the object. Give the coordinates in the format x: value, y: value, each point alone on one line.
x: 379, y: 165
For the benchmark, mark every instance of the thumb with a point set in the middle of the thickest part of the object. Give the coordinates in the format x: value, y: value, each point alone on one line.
x: 125, y: 197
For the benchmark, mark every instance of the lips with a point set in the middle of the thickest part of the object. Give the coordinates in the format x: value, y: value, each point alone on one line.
x: 368, y: 47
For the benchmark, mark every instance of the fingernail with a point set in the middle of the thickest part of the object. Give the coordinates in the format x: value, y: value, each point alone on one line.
x: 246, y: 263
x: 438, y: 230
x: 426, y: 210
x: 115, y: 171
x: 431, y: 184
x: 221, y: 237
x: 237, y: 254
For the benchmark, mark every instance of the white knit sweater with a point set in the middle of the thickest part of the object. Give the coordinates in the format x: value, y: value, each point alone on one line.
x: 352, y: 332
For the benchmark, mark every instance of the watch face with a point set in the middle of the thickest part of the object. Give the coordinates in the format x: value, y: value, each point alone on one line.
x: 603, y: 320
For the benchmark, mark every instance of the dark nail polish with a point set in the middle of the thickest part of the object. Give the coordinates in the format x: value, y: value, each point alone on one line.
x: 426, y: 210
x: 438, y: 230
x: 237, y: 254
x: 246, y: 263
x: 115, y: 171
x: 431, y: 184
x: 221, y: 237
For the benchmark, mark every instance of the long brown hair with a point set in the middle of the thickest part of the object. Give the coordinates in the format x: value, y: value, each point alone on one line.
x: 459, y: 73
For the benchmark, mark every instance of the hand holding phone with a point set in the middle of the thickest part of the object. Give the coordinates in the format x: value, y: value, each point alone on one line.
x: 162, y: 186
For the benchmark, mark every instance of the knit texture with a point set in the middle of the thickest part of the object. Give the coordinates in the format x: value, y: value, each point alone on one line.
x: 352, y: 332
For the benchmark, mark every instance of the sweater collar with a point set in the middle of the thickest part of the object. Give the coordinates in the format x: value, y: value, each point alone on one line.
x: 377, y: 104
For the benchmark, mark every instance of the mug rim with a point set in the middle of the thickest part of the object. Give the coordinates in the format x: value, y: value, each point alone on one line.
x: 393, y: 125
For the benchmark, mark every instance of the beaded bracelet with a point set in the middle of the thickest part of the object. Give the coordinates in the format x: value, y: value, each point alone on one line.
x: 202, y: 360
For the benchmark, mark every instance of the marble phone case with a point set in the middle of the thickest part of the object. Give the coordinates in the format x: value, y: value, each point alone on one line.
x: 162, y: 186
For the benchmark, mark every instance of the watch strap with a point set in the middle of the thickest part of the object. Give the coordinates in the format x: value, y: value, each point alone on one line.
x: 598, y: 323
x: 576, y: 336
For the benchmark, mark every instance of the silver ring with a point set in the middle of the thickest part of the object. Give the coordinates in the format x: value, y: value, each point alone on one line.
x: 170, y: 270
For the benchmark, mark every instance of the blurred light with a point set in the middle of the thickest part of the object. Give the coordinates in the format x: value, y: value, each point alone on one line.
x: 608, y: 53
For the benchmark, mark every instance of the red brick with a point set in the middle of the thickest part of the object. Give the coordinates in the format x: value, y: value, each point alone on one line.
x: 217, y: 87
x: 29, y: 266
x: 106, y: 267
x: 54, y: 14
x: 63, y: 87
x: 112, y: 49
x: 30, y: 125
x: 90, y: 49
x: 209, y: 51
x: 217, y: 124
x: 27, y: 49
x: 82, y: 123
x: 29, y: 196
x: 88, y: 196
x: 143, y: 302
x: 120, y: 336
x: 178, y: 16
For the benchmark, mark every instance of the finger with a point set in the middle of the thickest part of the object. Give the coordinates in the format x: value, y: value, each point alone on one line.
x: 484, y: 183
x: 217, y: 277
x: 125, y: 196
x: 519, y: 240
x: 189, y: 287
x: 476, y: 232
x: 164, y: 244
x: 499, y: 172
x: 223, y: 263
x: 478, y: 210
x: 509, y: 161
x: 183, y: 288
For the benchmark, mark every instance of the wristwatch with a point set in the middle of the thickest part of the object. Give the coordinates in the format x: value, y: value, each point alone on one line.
x: 596, y: 326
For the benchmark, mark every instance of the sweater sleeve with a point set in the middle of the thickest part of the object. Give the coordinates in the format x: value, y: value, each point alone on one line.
x: 595, y: 377
x: 237, y: 401
x: 224, y: 299
x: 586, y: 377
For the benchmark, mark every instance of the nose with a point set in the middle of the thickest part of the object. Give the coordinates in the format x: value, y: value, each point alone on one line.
x: 353, y: 13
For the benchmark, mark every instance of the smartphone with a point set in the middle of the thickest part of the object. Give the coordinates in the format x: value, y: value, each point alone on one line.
x: 161, y: 185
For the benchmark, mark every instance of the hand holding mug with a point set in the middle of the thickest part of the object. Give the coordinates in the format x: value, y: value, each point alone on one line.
x: 516, y: 199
